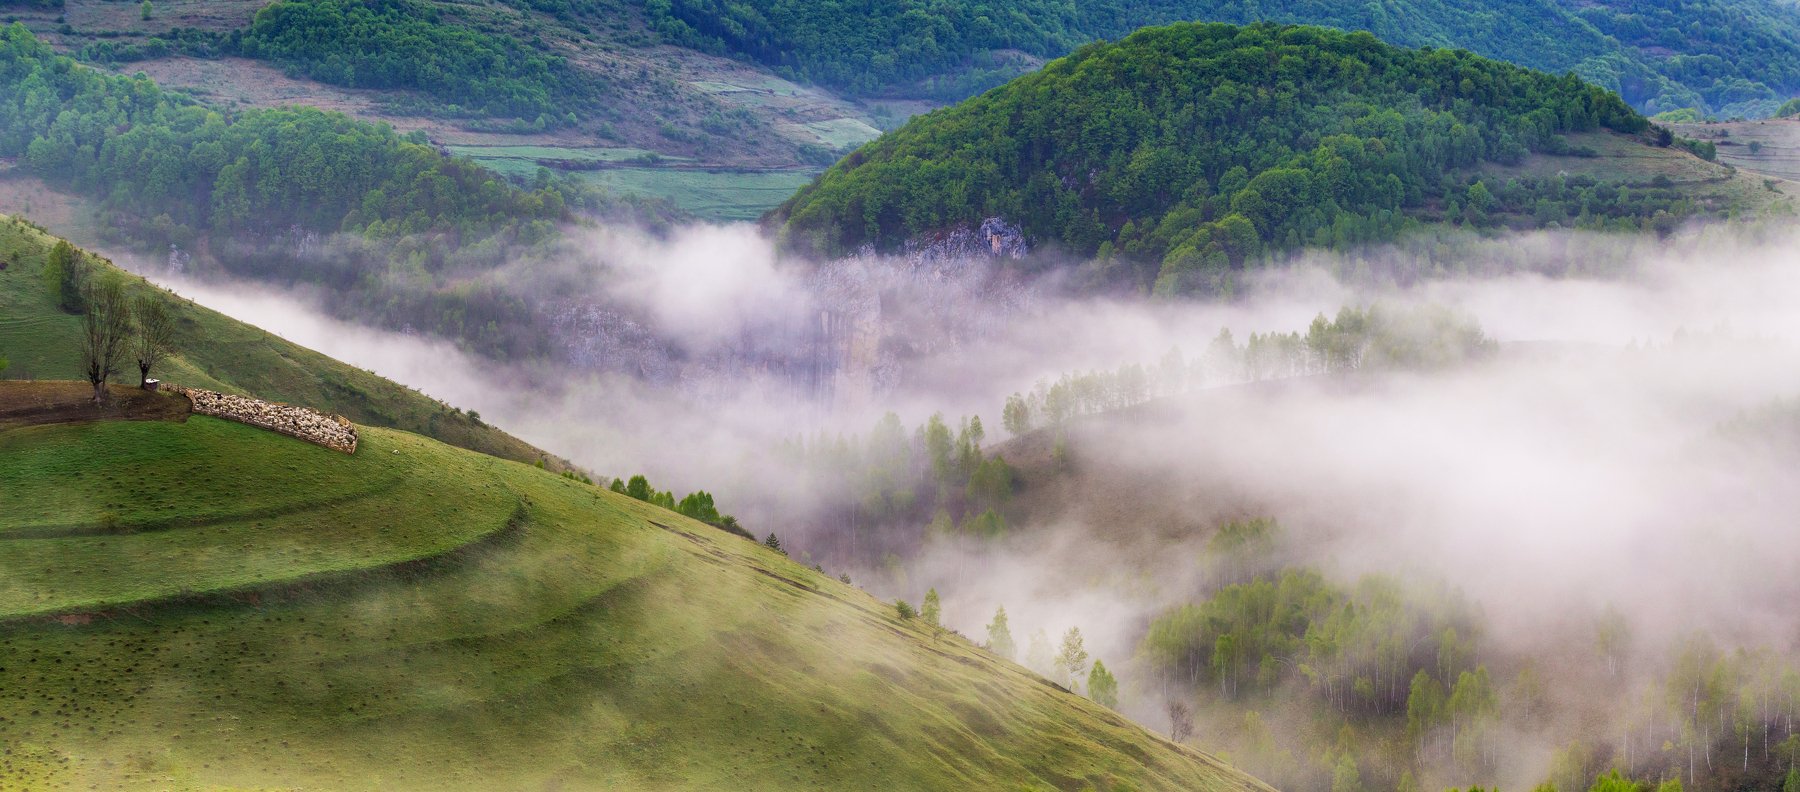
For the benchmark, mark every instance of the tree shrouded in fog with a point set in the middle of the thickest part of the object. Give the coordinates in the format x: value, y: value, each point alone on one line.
x: 1102, y: 686
x: 931, y: 611
x: 1072, y: 657
x: 1000, y: 638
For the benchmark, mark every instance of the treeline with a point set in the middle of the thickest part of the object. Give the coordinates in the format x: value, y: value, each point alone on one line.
x: 890, y: 488
x: 697, y: 505
x: 1357, y: 338
x: 392, y: 44
x: 1192, y: 150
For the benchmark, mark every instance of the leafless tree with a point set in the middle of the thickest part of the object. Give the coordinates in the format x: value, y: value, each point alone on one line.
x: 155, y: 338
x: 105, y: 325
x: 1181, y: 720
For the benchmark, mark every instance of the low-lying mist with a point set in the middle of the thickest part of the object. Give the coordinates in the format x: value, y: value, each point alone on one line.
x: 1623, y: 452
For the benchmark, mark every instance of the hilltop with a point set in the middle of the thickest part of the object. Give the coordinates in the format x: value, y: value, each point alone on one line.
x: 1187, y: 152
x: 272, y: 614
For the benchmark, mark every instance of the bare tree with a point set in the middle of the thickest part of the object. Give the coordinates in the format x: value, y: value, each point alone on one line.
x: 1181, y: 720
x: 155, y: 338
x: 106, y: 323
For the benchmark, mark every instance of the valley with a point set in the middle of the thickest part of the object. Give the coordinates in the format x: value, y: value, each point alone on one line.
x: 673, y: 394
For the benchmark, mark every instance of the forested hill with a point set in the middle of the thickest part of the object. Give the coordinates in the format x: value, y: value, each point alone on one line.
x: 1720, y: 56
x: 1194, y: 148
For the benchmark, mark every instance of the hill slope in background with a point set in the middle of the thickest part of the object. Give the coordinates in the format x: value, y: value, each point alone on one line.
x: 1192, y: 149
x: 1727, y: 58
x: 220, y: 353
x: 421, y: 617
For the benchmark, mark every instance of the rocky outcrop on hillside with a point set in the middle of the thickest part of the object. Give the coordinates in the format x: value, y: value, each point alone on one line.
x: 331, y: 431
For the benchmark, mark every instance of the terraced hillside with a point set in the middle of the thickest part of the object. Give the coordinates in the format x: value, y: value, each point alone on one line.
x: 220, y: 353
x: 203, y: 605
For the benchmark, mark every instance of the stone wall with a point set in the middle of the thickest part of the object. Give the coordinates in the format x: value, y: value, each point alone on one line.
x: 332, y: 431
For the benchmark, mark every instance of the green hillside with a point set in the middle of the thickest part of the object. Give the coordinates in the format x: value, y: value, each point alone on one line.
x: 421, y: 617
x: 1729, y: 58
x: 221, y: 353
x: 1192, y: 150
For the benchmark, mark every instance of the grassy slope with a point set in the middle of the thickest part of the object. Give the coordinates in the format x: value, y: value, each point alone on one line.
x: 605, y: 644
x: 1625, y: 161
x: 221, y: 353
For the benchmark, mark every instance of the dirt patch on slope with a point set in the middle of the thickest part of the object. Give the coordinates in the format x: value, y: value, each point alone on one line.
x: 34, y: 403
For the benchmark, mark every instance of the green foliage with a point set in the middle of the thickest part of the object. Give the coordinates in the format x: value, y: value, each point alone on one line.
x: 1347, y: 777
x: 65, y: 274
x: 148, y: 155
x: 1614, y: 781
x: 1071, y: 656
x: 1016, y: 416
x: 1000, y: 638
x: 144, y: 10
x: 1329, y: 637
x: 903, y: 610
x: 405, y: 44
x: 1102, y: 686
x: 1247, y: 140
x: 773, y: 543
x: 1788, y: 109
x: 931, y: 611
x: 989, y: 524
x: 1663, y: 54
x: 990, y: 484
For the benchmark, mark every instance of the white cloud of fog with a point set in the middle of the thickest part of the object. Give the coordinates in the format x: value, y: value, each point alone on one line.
x: 1580, y: 469
x: 704, y: 286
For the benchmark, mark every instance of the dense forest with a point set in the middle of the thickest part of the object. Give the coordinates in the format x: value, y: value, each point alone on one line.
x: 402, y: 44
x: 1193, y: 150
x: 1726, y: 58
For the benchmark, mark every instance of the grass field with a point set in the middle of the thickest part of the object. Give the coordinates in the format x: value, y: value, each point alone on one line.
x: 709, y: 195
x: 220, y: 353
x: 1623, y: 160
x: 1769, y: 146
x: 602, y: 644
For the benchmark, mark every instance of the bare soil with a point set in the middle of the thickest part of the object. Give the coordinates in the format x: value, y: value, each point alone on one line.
x: 38, y: 402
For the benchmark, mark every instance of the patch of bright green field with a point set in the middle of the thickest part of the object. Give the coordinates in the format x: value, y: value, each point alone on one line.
x: 217, y: 352
x: 706, y: 194
x: 843, y: 133
x: 160, y: 518
x: 522, y: 161
x: 605, y: 644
